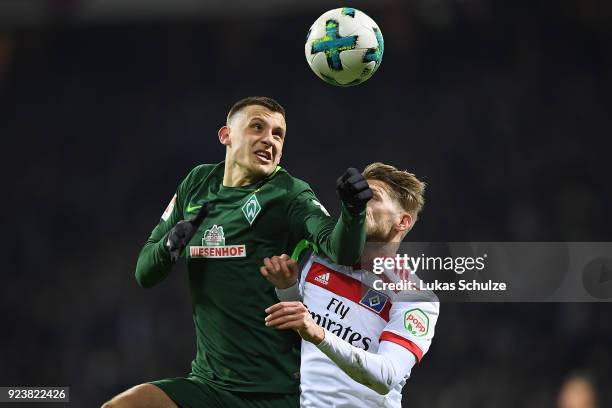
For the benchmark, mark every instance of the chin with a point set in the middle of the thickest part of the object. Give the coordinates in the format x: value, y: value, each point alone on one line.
x: 266, y: 170
x: 372, y: 236
x: 261, y: 169
x: 376, y: 236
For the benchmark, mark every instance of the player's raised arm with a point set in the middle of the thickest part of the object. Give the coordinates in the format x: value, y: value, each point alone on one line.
x: 344, y: 240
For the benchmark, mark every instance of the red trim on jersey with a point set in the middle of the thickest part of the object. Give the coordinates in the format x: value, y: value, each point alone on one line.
x: 343, y: 285
x: 404, y: 342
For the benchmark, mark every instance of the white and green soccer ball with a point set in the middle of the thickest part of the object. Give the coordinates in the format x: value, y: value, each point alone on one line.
x: 344, y: 47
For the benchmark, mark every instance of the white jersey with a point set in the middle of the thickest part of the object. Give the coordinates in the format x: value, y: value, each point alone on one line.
x: 343, y: 301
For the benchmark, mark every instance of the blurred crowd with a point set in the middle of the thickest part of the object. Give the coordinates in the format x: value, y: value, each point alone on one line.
x: 504, y: 109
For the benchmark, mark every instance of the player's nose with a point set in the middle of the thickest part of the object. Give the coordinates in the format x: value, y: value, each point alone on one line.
x: 267, y: 139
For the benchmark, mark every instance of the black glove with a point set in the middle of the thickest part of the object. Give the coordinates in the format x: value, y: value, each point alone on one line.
x: 353, y: 190
x: 183, y: 231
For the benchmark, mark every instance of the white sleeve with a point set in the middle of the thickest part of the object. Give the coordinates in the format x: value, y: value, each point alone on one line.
x: 380, y: 372
x: 289, y: 294
x: 412, y: 325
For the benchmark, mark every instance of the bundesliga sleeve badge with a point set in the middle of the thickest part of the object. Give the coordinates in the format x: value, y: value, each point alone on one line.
x: 169, y: 209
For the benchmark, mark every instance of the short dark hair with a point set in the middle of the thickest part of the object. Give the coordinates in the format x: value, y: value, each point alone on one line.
x: 256, y: 100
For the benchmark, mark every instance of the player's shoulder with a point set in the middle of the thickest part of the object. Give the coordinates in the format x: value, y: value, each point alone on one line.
x: 293, y: 185
x: 203, y: 171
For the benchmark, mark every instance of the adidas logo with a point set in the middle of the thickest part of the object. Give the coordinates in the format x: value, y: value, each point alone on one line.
x: 323, y: 278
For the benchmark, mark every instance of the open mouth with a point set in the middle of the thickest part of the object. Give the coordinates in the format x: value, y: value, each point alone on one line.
x: 264, y: 155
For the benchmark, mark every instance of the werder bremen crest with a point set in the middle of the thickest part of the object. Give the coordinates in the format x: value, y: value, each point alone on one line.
x: 251, y: 208
x: 214, y: 236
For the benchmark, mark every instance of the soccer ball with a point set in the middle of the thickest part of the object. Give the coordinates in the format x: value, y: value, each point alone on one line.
x: 344, y: 47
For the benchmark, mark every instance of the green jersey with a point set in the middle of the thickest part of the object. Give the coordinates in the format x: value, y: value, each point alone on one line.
x: 235, y: 350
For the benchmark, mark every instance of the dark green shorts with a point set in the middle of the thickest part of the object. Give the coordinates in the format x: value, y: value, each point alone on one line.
x: 190, y: 392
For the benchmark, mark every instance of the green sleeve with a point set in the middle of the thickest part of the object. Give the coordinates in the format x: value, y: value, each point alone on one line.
x: 154, y: 263
x: 342, y: 241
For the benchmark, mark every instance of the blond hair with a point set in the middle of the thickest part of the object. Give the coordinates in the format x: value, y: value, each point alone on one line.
x: 404, y: 187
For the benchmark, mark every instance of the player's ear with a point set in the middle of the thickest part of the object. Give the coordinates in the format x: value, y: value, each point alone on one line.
x: 405, y: 222
x: 224, y: 136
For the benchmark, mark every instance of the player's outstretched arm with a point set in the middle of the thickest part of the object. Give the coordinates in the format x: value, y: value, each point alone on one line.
x: 381, y: 371
x: 164, y: 246
x: 344, y: 240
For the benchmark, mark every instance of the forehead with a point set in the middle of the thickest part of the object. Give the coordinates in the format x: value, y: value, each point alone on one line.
x: 380, y: 187
x: 261, y: 112
x: 386, y: 194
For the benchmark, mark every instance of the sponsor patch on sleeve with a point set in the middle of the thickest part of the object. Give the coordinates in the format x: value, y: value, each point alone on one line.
x: 416, y: 322
x: 169, y: 209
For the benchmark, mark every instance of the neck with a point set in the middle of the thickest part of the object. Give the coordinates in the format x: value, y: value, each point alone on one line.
x: 237, y: 176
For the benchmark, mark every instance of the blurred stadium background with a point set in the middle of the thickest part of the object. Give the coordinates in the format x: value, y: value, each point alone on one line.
x: 503, y: 108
